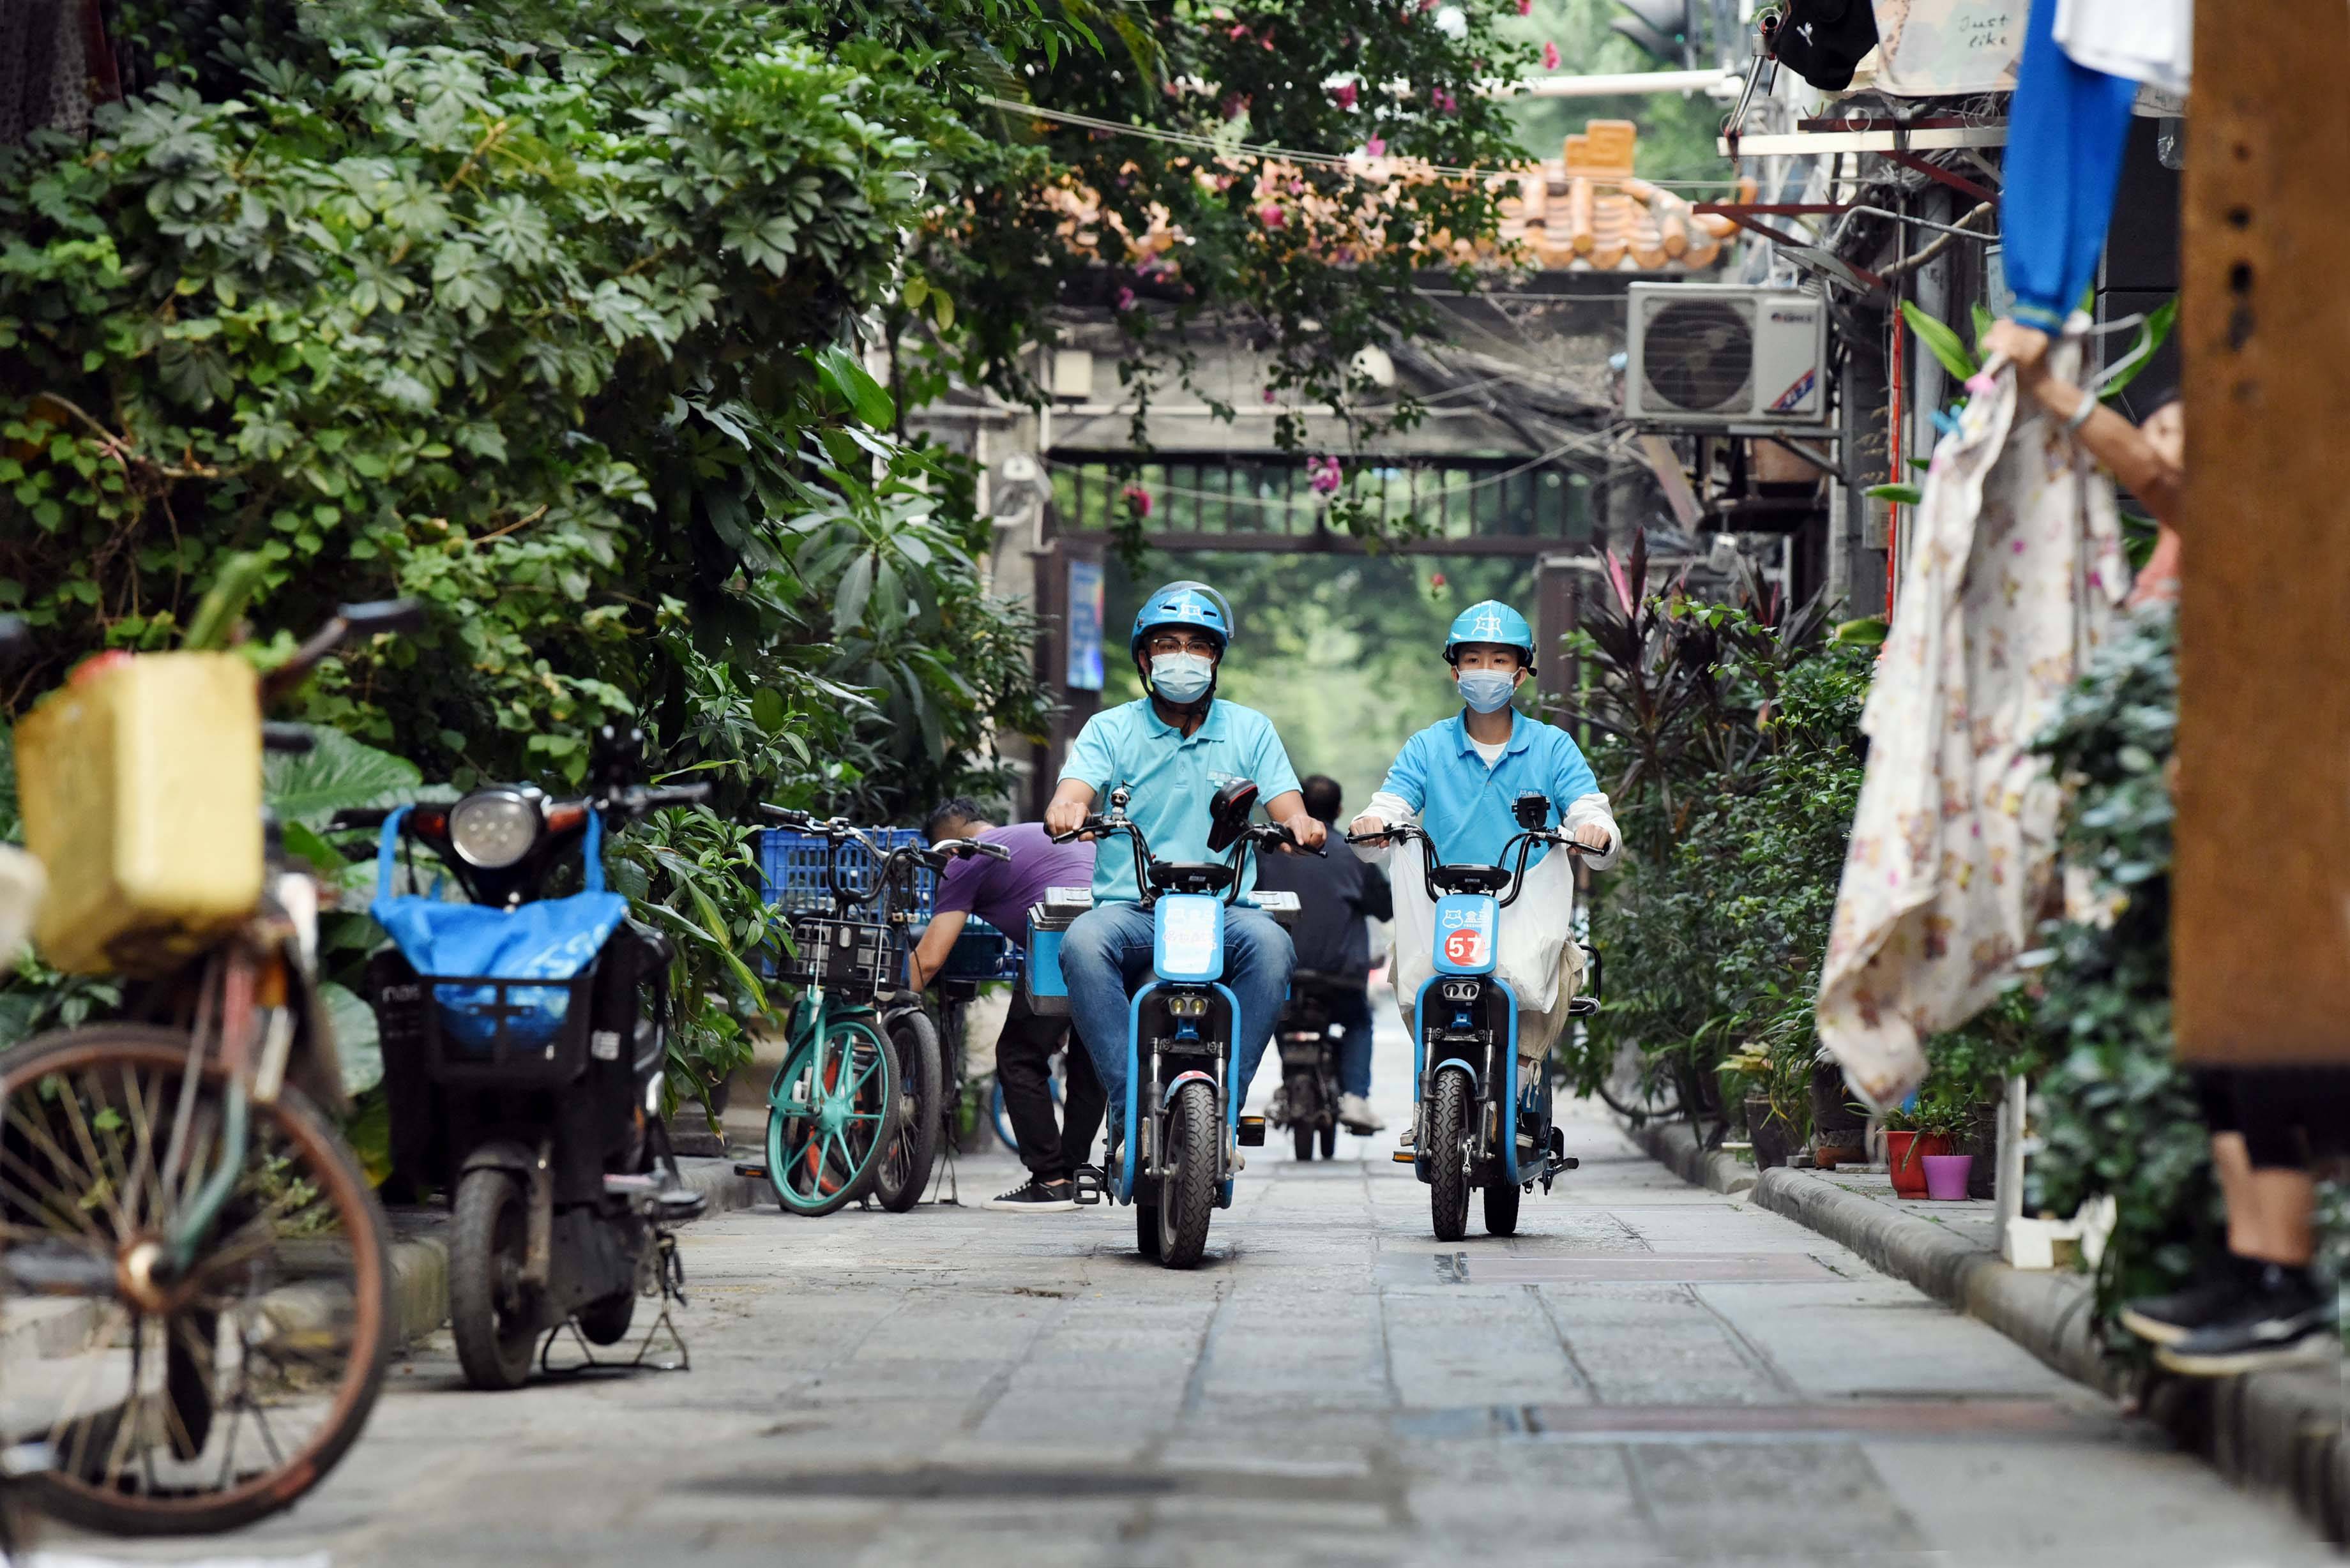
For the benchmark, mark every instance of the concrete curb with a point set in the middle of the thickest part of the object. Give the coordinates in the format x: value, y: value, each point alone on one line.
x: 2275, y: 1431
x: 419, y: 1264
x: 1676, y: 1146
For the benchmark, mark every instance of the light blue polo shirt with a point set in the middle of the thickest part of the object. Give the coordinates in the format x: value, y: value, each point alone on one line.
x: 1173, y: 778
x: 1469, y: 808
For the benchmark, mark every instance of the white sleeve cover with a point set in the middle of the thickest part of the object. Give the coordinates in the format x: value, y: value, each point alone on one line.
x: 1391, y: 809
x: 1586, y: 810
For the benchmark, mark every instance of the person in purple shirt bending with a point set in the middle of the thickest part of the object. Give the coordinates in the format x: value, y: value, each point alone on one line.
x: 1000, y: 892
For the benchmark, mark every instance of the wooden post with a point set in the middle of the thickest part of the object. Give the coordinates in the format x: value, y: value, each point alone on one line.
x: 2261, y: 923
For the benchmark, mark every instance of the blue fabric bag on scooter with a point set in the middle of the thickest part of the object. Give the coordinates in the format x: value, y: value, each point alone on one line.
x: 553, y: 940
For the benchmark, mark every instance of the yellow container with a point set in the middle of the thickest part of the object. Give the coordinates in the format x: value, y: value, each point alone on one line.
x: 141, y: 794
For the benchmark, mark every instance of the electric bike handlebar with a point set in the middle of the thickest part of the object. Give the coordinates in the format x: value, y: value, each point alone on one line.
x: 1523, y: 843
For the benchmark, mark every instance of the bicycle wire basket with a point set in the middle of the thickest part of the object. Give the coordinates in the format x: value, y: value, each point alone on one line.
x: 844, y: 955
x: 478, y: 1029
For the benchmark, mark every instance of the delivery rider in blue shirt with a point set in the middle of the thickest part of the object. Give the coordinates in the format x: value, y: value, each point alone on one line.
x: 1461, y: 779
x: 1172, y: 750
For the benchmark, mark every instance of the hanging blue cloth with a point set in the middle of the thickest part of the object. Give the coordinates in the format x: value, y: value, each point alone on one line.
x: 554, y: 939
x: 2065, y: 136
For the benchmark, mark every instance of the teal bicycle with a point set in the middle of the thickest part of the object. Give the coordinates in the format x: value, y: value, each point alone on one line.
x: 837, y: 1117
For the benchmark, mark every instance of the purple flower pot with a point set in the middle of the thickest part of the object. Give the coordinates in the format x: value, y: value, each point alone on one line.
x: 1946, y: 1175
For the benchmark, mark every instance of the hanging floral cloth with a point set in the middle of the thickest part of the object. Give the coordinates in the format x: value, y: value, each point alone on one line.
x: 2016, y: 571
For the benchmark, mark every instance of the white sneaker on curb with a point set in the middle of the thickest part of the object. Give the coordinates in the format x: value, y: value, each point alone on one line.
x: 1355, y: 1114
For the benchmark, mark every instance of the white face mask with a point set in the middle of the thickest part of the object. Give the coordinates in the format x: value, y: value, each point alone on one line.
x: 1181, y: 677
x: 1487, y: 690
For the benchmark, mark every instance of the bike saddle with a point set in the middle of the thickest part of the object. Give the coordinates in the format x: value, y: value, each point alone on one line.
x: 1469, y: 879
x: 1169, y: 877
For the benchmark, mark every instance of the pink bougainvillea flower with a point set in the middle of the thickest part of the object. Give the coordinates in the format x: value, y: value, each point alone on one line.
x: 1443, y: 99
x: 1344, y: 93
x: 1272, y: 216
x: 1268, y: 394
x: 1137, y: 501
x: 1325, y: 476
x: 1550, y: 56
x: 1376, y: 147
x: 1297, y: 187
x: 1126, y: 299
x: 1526, y: 7
x: 1235, y: 105
x: 1436, y: 580
x: 1240, y: 30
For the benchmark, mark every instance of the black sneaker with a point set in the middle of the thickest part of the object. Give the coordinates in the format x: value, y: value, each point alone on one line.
x: 2167, y: 1319
x: 2282, y: 1319
x: 1037, y: 1196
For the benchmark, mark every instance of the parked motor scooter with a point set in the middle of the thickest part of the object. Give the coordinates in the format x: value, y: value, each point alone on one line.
x: 535, y: 1102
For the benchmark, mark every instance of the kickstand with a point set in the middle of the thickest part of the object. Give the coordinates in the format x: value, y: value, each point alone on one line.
x: 670, y: 1272
x: 946, y: 1177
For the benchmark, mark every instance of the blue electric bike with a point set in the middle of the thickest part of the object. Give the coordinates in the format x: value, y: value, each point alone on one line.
x: 1481, y: 1121
x: 1181, y: 1114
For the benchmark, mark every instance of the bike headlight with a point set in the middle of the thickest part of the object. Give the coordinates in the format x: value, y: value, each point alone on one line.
x: 494, y: 829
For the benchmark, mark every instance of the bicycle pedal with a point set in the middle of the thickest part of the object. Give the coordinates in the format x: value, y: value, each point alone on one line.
x: 758, y: 1172
x: 1091, y: 1186
x: 1401, y: 1157
x: 1251, y: 1132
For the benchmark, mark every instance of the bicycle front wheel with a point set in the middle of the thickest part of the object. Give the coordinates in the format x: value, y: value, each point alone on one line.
x: 830, y: 1118
x: 178, y: 1400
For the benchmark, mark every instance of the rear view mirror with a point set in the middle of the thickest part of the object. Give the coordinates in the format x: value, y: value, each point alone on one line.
x: 383, y: 615
x: 1228, y: 815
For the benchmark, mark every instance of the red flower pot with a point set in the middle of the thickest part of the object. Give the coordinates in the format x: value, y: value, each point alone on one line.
x: 1905, y: 1153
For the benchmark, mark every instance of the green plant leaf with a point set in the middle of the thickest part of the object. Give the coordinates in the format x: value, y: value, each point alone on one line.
x: 1868, y: 631
x: 337, y: 773
x: 848, y: 601
x: 1940, y: 341
x: 358, y: 1046
x: 240, y: 579
x: 2151, y: 335
x: 768, y: 709
x: 855, y: 385
x: 1899, y: 495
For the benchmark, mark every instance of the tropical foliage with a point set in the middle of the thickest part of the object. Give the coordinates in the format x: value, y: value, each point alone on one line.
x: 595, y: 327
x: 2114, y: 1114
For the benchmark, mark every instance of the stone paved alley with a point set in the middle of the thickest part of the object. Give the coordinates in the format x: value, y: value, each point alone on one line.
x: 1648, y: 1373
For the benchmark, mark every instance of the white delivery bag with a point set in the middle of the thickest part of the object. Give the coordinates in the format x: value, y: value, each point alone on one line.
x: 1534, y: 951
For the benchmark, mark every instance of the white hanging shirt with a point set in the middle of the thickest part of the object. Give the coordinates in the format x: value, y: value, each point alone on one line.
x: 2149, y: 41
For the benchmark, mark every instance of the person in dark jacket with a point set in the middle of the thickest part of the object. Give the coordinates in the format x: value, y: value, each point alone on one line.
x: 1337, y: 900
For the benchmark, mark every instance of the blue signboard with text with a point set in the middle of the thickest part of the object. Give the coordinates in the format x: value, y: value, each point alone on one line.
x: 1085, y: 672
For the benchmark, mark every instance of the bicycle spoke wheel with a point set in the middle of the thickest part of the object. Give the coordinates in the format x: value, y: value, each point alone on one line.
x: 177, y: 1399
x: 832, y: 1115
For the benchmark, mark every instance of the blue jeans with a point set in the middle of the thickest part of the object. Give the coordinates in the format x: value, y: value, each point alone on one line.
x: 1106, y: 955
x: 1350, y: 1011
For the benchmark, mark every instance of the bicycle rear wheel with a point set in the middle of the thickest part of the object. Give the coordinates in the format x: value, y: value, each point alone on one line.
x: 188, y: 1401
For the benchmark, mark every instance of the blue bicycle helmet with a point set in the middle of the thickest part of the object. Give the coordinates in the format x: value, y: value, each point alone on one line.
x: 1186, y: 604
x: 1491, y: 621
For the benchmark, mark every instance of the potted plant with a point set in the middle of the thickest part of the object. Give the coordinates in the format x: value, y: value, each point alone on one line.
x: 1932, y: 1126
x: 1776, y: 1091
x: 1839, y: 1125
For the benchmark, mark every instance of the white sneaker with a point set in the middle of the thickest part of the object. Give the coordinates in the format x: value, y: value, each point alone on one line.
x: 1355, y: 1114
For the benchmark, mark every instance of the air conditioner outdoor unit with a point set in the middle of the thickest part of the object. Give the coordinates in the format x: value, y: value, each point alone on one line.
x: 1711, y: 355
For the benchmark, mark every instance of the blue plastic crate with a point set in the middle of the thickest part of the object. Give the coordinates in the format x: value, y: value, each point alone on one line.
x: 792, y: 866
